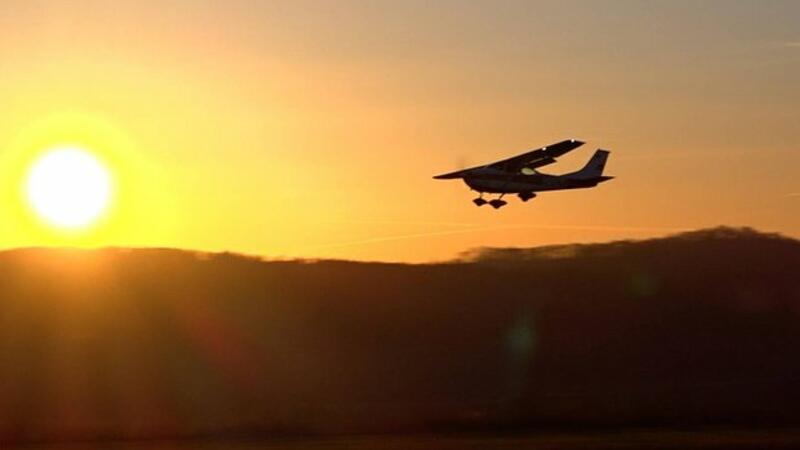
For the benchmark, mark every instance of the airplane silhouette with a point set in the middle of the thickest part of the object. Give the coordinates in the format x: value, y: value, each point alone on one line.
x: 518, y: 175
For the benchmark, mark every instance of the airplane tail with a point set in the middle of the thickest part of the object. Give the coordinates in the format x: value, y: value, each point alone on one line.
x: 593, y: 168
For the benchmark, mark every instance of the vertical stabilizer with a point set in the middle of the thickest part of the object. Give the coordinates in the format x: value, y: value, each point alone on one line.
x: 593, y: 168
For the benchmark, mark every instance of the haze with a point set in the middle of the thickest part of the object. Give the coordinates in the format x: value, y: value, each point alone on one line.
x: 297, y: 131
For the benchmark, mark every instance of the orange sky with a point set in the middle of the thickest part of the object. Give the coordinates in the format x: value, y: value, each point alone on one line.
x: 313, y: 128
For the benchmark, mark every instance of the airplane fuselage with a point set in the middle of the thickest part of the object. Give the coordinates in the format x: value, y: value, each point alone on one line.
x: 500, y: 182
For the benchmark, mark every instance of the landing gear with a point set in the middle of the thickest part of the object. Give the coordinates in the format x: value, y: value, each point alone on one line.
x: 497, y: 203
x: 480, y: 201
x: 525, y: 196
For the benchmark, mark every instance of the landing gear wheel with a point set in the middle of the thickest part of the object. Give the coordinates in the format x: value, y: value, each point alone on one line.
x: 479, y: 201
x: 497, y: 203
x: 525, y: 196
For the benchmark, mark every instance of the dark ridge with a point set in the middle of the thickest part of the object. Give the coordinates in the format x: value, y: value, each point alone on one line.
x: 695, y: 329
x: 711, y: 236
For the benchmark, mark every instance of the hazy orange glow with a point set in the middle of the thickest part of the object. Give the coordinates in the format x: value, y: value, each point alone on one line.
x: 232, y: 127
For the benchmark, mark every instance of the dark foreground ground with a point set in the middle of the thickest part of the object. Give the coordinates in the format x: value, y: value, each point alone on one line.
x: 785, y: 438
x: 695, y: 330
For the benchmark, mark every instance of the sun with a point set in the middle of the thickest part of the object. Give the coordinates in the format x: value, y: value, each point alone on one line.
x: 68, y: 187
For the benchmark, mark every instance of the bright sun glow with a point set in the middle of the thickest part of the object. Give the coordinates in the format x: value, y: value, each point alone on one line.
x: 69, y: 187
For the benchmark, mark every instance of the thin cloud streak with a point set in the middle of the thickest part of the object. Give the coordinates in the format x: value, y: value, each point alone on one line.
x: 401, y: 222
x: 687, y: 154
x: 401, y: 237
x: 793, y: 194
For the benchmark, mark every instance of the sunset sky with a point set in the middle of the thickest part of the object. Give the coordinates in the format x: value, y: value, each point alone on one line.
x: 313, y: 128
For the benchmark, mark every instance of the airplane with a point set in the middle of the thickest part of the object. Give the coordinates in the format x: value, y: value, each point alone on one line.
x: 518, y: 175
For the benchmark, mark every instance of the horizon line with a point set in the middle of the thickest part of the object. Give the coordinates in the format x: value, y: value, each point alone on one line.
x: 284, y: 258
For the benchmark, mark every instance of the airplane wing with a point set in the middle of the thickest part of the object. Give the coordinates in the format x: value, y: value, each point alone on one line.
x: 532, y: 159
x: 537, y: 158
x: 456, y: 174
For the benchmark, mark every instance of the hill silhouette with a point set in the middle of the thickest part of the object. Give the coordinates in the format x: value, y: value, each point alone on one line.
x: 697, y: 328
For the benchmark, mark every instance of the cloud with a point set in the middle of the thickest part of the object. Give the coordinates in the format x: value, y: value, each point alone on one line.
x: 793, y: 194
x: 792, y: 44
